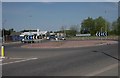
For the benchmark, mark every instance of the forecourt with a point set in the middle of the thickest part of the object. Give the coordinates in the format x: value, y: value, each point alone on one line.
x: 84, y: 61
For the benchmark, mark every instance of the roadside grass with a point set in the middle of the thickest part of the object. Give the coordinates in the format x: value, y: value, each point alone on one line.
x: 58, y: 43
x: 93, y: 38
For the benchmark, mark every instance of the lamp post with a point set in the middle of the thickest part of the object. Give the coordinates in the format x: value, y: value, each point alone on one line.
x: 3, y: 37
x: 106, y: 25
x: 101, y: 29
x: 3, y: 32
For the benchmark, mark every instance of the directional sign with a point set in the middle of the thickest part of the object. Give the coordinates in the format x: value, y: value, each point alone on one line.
x: 34, y: 37
x: 26, y: 36
x: 30, y: 37
x: 101, y: 34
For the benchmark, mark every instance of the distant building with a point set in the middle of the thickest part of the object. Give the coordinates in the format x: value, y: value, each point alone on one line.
x: 15, y: 36
x: 34, y: 32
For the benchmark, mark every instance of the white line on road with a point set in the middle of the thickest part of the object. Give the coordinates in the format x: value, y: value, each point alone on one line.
x: 19, y: 61
x: 20, y: 58
x: 102, y: 70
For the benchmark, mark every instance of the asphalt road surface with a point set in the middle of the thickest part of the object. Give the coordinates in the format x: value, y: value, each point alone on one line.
x: 85, y: 61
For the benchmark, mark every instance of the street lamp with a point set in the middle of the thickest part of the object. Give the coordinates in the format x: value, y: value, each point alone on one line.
x: 3, y: 32
x: 3, y: 38
x: 101, y: 29
x: 106, y: 25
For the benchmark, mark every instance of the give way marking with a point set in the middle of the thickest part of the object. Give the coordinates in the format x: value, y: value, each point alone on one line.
x: 27, y: 59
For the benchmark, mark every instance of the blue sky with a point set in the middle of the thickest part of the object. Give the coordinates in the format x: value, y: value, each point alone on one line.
x: 0, y: 15
x: 60, y: 0
x: 52, y: 15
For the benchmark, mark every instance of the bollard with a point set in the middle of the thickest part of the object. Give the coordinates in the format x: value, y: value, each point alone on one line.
x: 2, y: 52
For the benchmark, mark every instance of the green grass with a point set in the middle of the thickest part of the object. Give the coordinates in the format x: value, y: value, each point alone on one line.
x: 92, y: 37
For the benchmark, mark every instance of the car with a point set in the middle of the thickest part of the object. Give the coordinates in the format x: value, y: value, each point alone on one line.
x: 61, y: 38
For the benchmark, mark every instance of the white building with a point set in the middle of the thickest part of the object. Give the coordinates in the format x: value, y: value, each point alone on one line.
x: 34, y: 32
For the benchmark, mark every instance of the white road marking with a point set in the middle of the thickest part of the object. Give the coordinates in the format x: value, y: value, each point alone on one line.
x: 19, y: 58
x: 102, y: 70
x: 0, y: 60
x: 19, y: 61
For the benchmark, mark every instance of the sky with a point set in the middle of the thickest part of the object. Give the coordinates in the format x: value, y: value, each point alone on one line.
x: 118, y: 9
x: 60, y: 0
x: 51, y: 16
x: 0, y: 14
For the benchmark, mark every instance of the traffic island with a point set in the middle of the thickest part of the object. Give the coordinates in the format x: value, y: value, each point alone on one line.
x: 69, y: 44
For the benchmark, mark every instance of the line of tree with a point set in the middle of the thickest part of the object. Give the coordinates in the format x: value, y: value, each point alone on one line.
x: 6, y: 32
x: 92, y: 26
x: 99, y: 24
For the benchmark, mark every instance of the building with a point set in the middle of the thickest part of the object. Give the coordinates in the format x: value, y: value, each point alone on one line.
x: 15, y: 36
x: 34, y: 33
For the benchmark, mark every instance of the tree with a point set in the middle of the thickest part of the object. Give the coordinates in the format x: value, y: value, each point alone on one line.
x: 70, y: 33
x: 118, y: 20
x: 51, y: 31
x: 63, y: 29
x: 114, y: 28
x: 73, y: 30
x: 100, y: 24
x: 92, y: 26
x: 74, y: 27
x: 7, y: 32
x: 88, y: 26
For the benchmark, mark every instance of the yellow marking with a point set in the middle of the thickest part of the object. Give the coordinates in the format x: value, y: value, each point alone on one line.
x: 2, y: 52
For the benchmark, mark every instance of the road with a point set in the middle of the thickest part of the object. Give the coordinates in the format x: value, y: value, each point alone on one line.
x: 85, y: 61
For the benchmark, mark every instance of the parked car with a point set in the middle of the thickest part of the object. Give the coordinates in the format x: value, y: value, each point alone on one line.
x: 62, y: 38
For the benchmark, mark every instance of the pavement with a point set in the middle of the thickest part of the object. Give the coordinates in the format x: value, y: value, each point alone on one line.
x: 80, y: 61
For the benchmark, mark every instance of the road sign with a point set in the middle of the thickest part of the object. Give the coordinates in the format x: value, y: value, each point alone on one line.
x: 30, y: 37
x: 101, y: 34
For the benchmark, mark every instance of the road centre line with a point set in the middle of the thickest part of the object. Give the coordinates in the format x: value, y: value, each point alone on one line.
x: 19, y: 61
x: 103, y: 70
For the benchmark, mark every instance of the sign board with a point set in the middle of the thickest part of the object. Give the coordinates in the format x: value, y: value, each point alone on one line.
x: 30, y: 37
x: 78, y: 35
